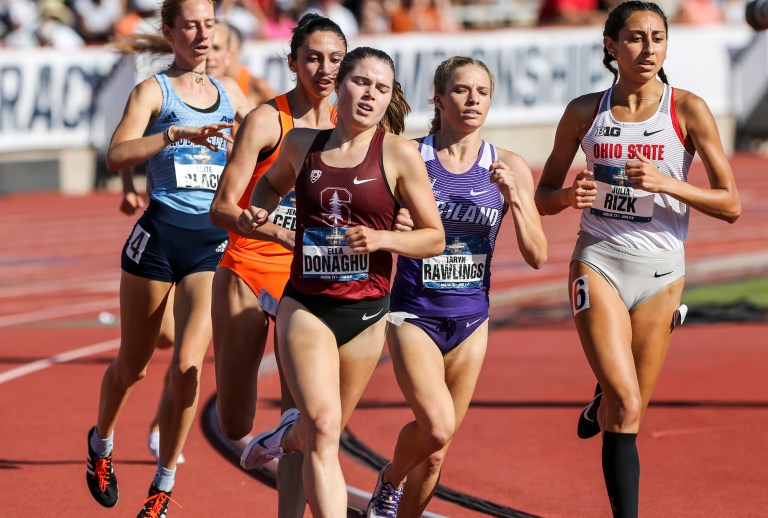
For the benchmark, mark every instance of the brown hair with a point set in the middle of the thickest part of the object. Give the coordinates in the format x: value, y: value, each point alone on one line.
x: 393, y: 120
x: 443, y: 75
x: 309, y: 24
x: 616, y: 21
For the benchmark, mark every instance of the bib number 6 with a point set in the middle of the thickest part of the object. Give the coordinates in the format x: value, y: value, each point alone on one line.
x: 579, y: 294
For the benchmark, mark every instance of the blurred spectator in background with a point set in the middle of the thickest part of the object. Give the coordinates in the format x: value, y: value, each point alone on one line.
x: 373, y: 17
x: 22, y: 19
x: 572, y: 12
x: 279, y: 20
x: 699, y: 12
x: 339, y: 14
x: 423, y: 16
x: 55, y: 26
x: 96, y: 18
x: 44, y: 23
x: 247, y: 15
x: 143, y: 16
x: 256, y: 89
x: 31, y: 24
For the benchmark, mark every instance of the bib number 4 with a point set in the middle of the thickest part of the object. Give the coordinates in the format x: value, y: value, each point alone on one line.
x: 137, y: 243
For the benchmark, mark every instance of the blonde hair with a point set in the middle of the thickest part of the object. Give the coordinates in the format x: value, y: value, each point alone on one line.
x: 154, y: 43
x: 443, y: 75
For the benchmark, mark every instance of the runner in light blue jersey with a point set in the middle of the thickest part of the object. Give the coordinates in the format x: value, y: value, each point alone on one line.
x: 179, y: 122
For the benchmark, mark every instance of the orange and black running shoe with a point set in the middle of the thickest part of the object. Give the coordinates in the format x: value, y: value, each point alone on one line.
x: 156, y: 504
x: 100, y: 476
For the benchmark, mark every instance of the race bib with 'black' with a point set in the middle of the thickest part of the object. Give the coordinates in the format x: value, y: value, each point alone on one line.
x: 462, y: 264
x: 198, y: 167
x: 326, y: 256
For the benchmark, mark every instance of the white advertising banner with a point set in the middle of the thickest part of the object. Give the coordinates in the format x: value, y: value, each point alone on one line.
x: 50, y: 99
x: 54, y: 100
x: 537, y: 71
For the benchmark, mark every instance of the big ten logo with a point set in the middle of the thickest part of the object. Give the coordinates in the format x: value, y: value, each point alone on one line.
x: 608, y: 131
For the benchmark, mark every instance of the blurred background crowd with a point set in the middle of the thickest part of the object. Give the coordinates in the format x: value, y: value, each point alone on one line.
x: 74, y: 23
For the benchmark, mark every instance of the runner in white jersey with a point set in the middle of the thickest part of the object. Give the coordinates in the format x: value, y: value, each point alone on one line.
x: 439, y: 307
x: 627, y: 270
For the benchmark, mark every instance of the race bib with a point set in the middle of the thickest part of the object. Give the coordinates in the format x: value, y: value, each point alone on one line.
x: 461, y: 265
x: 617, y: 199
x: 285, y: 213
x: 326, y: 256
x: 198, y: 167
x: 137, y: 243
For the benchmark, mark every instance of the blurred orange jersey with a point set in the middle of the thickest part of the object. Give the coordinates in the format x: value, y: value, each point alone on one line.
x: 242, y: 250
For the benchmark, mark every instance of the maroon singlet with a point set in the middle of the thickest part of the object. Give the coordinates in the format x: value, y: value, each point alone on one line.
x: 329, y: 199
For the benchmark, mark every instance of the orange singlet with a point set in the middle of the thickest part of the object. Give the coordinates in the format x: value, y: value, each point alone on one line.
x: 244, y: 82
x: 264, y: 264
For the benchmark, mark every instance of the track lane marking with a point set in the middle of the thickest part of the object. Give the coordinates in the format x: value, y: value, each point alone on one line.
x: 64, y: 357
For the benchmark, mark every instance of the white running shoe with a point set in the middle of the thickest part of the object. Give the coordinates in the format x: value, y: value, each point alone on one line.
x: 268, y: 445
x: 385, y: 499
x: 679, y: 317
x: 153, y: 443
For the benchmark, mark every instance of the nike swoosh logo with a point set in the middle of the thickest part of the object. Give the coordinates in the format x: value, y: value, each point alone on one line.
x: 647, y: 133
x: 358, y: 182
x: 470, y: 324
x: 368, y: 317
x: 657, y: 274
x: 584, y: 413
x: 472, y: 192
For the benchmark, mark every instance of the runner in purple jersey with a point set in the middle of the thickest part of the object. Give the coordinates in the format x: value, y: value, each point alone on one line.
x: 439, y: 305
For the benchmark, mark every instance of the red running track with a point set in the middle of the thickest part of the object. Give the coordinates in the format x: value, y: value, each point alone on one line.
x: 702, y: 445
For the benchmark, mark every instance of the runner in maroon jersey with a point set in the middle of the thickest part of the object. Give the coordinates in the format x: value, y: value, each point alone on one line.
x: 349, y: 183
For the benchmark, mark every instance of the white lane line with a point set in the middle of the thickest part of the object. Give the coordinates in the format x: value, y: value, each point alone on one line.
x: 104, y: 283
x: 64, y: 357
x: 60, y: 311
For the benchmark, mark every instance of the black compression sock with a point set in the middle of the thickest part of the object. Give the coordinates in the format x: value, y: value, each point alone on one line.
x: 621, y: 469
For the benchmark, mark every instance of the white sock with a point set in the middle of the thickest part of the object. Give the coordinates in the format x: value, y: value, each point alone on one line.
x: 153, y: 440
x: 101, y: 447
x: 164, y: 478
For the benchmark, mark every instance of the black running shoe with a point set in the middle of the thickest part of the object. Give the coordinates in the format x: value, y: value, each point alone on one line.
x: 156, y: 504
x: 588, y: 425
x: 100, y: 476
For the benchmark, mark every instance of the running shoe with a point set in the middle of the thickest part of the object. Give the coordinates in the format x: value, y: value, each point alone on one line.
x: 268, y: 445
x: 385, y: 499
x: 156, y: 504
x: 588, y: 425
x: 100, y: 476
x: 153, y: 443
x: 679, y: 316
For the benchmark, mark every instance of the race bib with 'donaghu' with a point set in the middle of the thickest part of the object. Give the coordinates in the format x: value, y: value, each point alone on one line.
x: 326, y: 256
